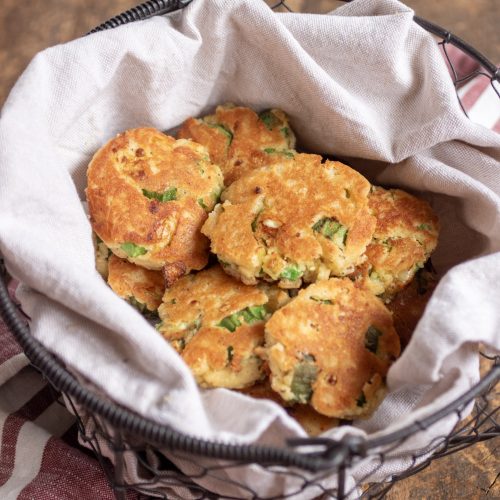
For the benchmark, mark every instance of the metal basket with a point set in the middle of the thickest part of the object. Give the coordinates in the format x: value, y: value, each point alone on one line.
x: 116, y: 432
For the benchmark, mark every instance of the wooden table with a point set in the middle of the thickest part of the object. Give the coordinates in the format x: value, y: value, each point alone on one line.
x: 28, y: 27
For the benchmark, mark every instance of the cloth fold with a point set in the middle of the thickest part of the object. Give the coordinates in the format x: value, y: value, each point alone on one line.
x: 364, y: 82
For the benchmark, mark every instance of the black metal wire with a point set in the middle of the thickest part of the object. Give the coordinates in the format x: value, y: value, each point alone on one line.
x: 141, y: 12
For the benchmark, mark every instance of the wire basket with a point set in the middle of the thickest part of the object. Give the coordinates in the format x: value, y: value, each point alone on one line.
x: 115, y: 432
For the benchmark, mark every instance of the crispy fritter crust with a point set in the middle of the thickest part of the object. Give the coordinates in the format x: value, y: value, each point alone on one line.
x: 134, y: 283
x: 237, y: 138
x: 127, y: 178
x: 405, y: 236
x: 313, y: 422
x: 192, y: 312
x: 332, y: 346
x: 272, y: 222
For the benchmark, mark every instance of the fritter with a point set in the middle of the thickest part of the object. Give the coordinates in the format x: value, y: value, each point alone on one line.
x: 240, y: 140
x: 313, y: 422
x: 148, y: 196
x: 332, y: 346
x: 141, y: 287
x: 297, y: 220
x: 216, y: 323
x: 405, y: 236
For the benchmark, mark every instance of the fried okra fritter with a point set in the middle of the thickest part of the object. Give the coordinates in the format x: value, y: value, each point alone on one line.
x: 141, y: 287
x: 240, y: 140
x: 216, y: 323
x: 299, y: 220
x: 405, y: 236
x: 148, y: 196
x: 331, y: 346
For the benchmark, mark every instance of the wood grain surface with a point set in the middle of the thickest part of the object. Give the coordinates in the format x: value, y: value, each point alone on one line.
x: 30, y: 26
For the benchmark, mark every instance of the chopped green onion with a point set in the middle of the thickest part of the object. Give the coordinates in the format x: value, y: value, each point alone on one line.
x: 285, y: 131
x: 285, y: 152
x: 304, y: 376
x: 258, y: 312
x: 371, y: 338
x: 322, y: 301
x: 133, y: 250
x: 250, y: 315
x: 332, y: 229
x: 224, y: 130
x: 291, y: 273
x: 270, y: 119
x: 168, y: 195
x: 202, y: 204
x: 230, y: 322
x: 424, y: 227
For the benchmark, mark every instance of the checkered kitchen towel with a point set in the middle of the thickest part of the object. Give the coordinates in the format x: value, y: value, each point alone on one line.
x: 40, y: 458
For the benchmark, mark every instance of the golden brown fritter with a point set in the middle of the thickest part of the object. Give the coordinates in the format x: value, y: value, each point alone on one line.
x: 240, y: 140
x: 141, y: 287
x: 149, y: 195
x: 409, y: 304
x: 313, y: 422
x: 331, y: 346
x: 216, y: 323
x: 296, y: 220
x: 405, y: 236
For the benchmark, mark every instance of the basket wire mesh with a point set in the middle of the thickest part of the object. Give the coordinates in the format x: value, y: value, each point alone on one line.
x: 113, y: 431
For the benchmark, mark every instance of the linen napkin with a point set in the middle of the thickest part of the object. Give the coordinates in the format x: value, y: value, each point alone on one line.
x: 364, y: 82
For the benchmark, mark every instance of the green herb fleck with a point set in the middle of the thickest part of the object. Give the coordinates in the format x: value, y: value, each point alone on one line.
x: 230, y: 322
x: 168, y: 195
x: 361, y: 401
x: 250, y: 315
x: 371, y: 338
x: 424, y: 227
x: 284, y: 152
x: 321, y: 301
x: 202, y: 204
x: 133, y: 250
x: 291, y: 273
x: 332, y: 229
x: 285, y: 131
x: 304, y: 376
x: 224, y: 130
x: 230, y: 354
x: 270, y: 119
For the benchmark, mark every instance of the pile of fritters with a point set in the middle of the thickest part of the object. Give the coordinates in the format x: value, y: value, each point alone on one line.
x: 310, y: 257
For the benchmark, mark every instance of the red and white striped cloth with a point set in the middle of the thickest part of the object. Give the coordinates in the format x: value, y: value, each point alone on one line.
x: 40, y: 457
